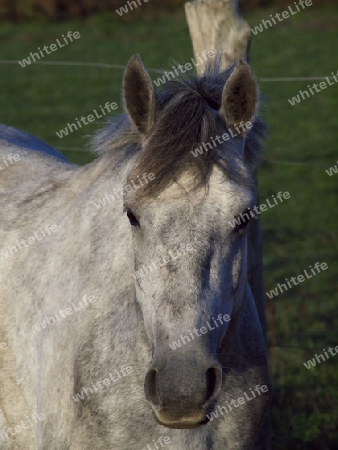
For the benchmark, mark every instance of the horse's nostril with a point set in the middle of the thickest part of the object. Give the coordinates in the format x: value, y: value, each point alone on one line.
x: 211, y: 383
x: 150, y: 387
x: 213, y: 380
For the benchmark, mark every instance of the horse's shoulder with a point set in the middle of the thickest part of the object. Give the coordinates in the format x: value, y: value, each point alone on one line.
x: 14, y: 137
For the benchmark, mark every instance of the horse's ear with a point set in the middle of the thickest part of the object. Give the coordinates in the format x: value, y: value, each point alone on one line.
x: 139, y: 95
x: 239, y: 96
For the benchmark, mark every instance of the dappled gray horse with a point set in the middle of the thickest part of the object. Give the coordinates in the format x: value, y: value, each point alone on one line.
x: 127, y: 321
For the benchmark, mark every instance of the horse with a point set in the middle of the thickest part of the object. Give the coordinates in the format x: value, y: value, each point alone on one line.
x: 126, y: 317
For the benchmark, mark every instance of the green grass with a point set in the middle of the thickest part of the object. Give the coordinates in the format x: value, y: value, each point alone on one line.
x: 298, y: 233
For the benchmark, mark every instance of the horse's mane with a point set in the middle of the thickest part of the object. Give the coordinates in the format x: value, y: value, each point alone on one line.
x: 186, y: 116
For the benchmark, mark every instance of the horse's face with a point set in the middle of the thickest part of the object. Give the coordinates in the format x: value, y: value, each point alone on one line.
x: 190, y: 274
x: 190, y: 277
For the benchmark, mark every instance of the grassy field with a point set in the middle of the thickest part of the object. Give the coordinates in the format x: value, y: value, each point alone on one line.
x: 302, y: 143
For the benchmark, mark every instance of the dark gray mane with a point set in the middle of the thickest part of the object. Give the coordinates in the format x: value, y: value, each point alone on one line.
x: 186, y: 116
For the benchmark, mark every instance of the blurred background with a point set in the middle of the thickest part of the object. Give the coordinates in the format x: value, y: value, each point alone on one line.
x: 71, y: 82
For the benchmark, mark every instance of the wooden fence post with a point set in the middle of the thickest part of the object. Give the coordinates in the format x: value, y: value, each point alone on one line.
x: 217, y: 24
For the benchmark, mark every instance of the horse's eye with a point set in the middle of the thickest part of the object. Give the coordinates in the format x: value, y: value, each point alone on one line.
x: 243, y: 220
x: 132, y: 219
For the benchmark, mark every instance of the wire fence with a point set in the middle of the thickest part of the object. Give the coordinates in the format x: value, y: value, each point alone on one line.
x: 160, y: 71
x: 122, y: 67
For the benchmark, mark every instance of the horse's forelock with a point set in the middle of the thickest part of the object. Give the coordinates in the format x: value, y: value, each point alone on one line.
x: 185, y: 118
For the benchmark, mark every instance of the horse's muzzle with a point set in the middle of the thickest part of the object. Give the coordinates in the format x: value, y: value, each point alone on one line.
x: 181, y: 392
